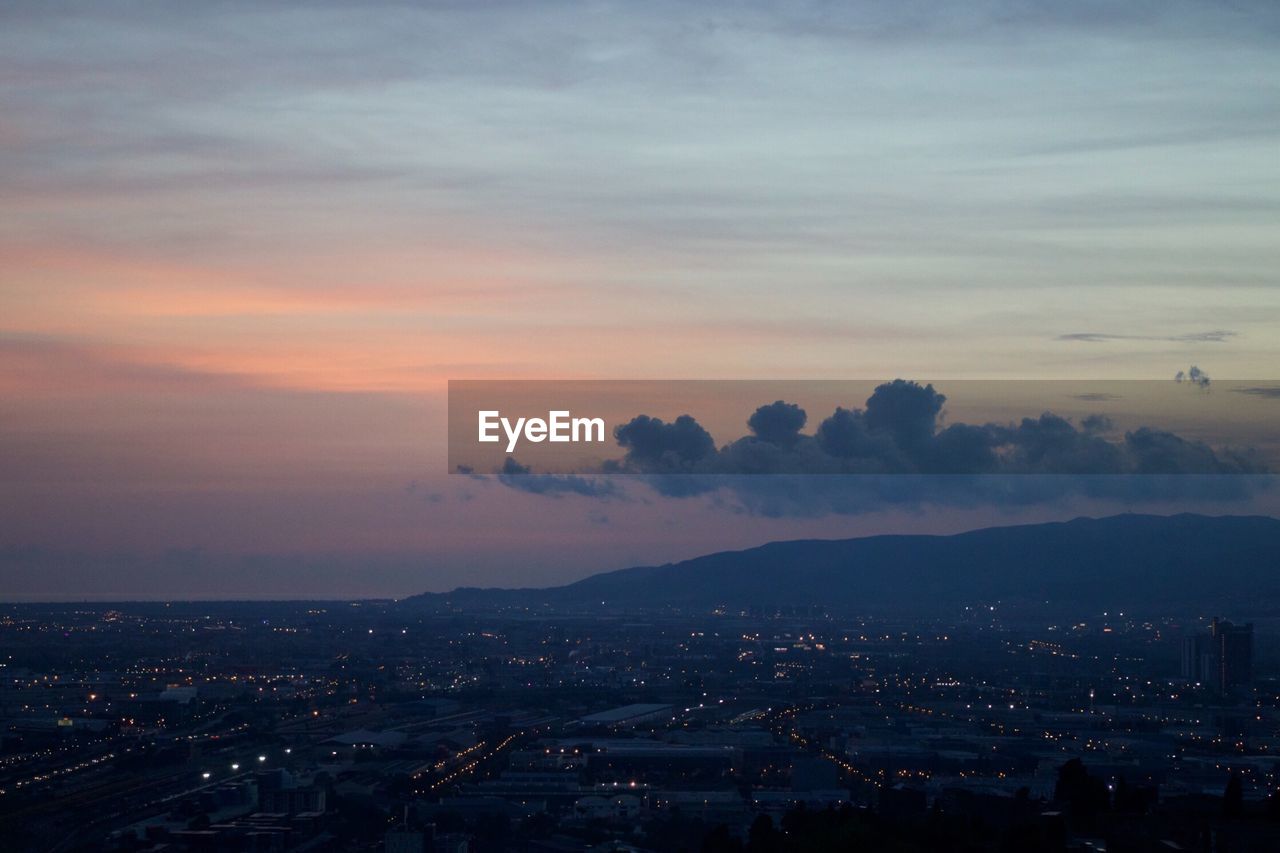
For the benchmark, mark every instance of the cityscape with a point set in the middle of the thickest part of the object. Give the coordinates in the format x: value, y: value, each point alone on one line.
x: 408, y: 726
x: 607, y: 427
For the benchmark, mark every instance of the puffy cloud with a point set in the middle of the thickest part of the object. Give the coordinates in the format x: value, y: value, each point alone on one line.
x: 1096, y: 423
x: 906, y: 410
x: 778, y: 423
x: 1195, y: 376
x: 658, y: 447
x: 900, y: 432
x: 904, y: 456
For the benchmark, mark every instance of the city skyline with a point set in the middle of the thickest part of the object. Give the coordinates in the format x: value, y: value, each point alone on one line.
x: 747, y: 426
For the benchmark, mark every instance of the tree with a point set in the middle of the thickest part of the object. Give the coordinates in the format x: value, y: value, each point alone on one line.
x: 762, y: 837
x: 719, y: 840
x: 1084, y: 794
x: 1233, y: 797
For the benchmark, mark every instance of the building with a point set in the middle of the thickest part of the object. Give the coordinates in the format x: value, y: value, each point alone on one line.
x: 280, y: 793
x: 1222, y: 657
x: 1233, y: 648
x: 628, y: 716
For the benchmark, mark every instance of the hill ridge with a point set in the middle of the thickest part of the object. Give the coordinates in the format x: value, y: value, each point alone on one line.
x: 1123, y: 559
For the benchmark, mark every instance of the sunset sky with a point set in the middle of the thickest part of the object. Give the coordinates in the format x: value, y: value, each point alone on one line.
x: 244, y: 246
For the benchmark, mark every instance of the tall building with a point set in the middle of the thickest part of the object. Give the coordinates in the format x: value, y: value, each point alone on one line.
x: 1196, y: 658
x: 1221, y: 657
x: 1233, y: 650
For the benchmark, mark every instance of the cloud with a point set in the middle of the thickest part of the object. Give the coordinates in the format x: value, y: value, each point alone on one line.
x: 521, y: 478
x: 901, y: 431
x: 906, y: 411
x: 659, y: 447
x: 1269, y: 391
x: 1195, y: 376
x: 778, y: 423
x: 1215, y: 336
x: 897, y: 451
x: 1096, y: 423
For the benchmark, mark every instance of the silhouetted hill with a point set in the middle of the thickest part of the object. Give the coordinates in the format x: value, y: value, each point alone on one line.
x: 1116, y: 562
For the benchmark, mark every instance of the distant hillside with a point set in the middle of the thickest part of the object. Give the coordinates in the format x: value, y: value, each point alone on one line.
x: 1120, y: 561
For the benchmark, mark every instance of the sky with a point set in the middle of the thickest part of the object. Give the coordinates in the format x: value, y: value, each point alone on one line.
x: 244, y: 246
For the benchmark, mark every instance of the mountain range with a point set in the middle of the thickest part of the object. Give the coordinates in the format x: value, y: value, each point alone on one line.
x: 1142, y: 562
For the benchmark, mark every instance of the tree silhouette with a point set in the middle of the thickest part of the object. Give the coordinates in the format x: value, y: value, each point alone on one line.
x: 1233, y: 797
x: 762, y: 837
x: 1084, y: 795
x: 719, y: 840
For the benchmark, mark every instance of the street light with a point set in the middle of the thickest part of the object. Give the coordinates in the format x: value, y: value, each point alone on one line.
x: 235, y: 766
x: 261, y: 758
